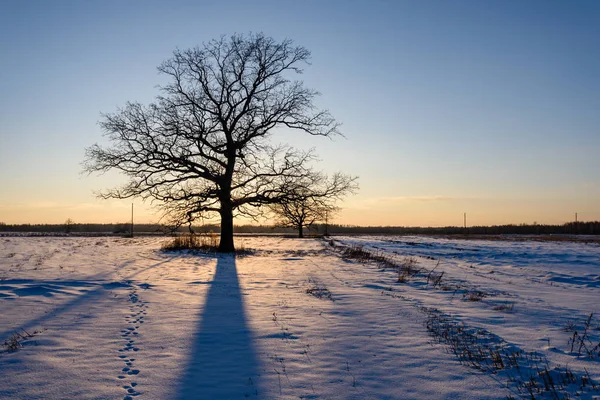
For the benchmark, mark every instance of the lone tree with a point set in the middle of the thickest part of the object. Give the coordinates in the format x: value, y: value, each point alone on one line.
x: 69, y: 223
x: 313, y: 200
x: 203, y: 147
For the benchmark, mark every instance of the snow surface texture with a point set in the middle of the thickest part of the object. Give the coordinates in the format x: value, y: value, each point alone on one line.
x: 98, y: 318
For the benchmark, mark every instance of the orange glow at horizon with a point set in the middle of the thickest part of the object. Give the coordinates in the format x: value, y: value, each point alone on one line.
x: 423, y: 211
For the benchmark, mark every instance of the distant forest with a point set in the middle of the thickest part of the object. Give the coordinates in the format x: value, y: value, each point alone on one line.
x: 571, y: 228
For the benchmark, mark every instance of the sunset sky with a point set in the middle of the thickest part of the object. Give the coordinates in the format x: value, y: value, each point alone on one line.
x: 486, y: 107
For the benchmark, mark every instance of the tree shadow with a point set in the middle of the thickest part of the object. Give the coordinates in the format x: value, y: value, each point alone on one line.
x: 82, y: 291
x: 222, y: 362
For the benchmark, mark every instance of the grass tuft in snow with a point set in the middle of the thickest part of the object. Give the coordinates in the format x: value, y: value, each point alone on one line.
x: 474, y: 295
x: 209, y: 242
x: 581, y: 344
x: 435, y: 278
x: 406, y: 268
x: 15, y: 341
x: 505, y: 307
x: 318, y: 290
x: 360, y: 254
x: 528, y: 372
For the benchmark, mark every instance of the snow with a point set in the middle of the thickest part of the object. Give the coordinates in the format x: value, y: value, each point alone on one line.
x: 119, y: 318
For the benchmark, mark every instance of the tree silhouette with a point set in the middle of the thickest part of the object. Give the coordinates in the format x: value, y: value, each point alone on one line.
x: 69, y: 223
x: 313, y: 200
x: 204, y: 147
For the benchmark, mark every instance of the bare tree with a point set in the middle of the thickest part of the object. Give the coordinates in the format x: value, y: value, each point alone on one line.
x: 69, y: 223
x: 203, y: 148
x: 312, y: 200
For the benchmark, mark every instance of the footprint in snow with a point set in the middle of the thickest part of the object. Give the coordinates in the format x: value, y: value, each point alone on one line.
x: 137, y: 309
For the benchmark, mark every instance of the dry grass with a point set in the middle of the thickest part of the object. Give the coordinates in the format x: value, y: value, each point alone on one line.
x: 581, y: 343
x: 406, y: 268
x: 208, y: 242
x: 474, y: 295
x: 505, y: 307
x: 529, y: 372
x: 318, y: 290
x: 15, y: 341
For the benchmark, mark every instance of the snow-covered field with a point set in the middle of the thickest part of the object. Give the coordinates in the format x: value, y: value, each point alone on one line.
x: 113, y: 318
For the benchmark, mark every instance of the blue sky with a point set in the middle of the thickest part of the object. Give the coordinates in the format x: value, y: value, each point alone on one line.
x: 484, y: 107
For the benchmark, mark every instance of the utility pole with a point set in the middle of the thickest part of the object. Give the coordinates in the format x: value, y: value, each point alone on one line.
x: 575, y: 217
x: 465, y: 219
x: 131, y: 219
x: 326, y: 217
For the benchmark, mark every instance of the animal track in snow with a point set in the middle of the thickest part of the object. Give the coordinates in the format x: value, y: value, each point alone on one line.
x: 133, y: 320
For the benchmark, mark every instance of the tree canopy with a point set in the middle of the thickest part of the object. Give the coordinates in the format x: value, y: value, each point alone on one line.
x: 204, y: 147
x: 314, y: 200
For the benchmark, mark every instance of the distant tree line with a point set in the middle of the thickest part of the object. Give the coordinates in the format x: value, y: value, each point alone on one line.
x: 571, y: 228
x: 70, y: 227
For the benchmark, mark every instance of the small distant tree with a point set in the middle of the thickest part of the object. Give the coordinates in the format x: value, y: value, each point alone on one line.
x: 69, y: 223
x: 313, y: 200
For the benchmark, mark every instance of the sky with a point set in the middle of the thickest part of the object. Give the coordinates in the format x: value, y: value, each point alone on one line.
x: 490, y: 108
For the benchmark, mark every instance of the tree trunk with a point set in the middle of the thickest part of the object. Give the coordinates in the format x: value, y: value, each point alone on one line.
x: 300, y: 233
x: 226, y: 243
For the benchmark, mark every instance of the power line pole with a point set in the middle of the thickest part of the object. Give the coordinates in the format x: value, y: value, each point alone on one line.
x: 131, y: 219
x: 465, y: 220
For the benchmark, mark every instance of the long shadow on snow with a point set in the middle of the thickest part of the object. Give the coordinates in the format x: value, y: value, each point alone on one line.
x: 88, y: 291
x: 222, y: 363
